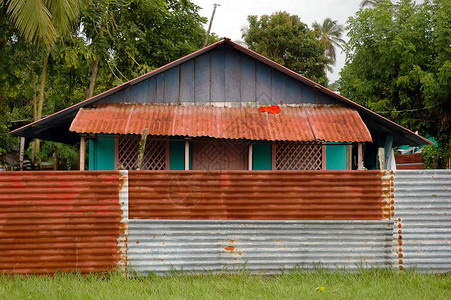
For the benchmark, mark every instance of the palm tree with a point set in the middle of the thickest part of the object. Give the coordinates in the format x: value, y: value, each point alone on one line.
x: 42, y: 20
x: 330, y: 32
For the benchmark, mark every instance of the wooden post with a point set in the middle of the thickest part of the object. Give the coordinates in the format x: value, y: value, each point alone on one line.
x: 186, y: 154
x: 82, y: 153
x: 167, y: 165
x: 211, y: 22
x: 323, y: 157
x: 21, y: 152
x: 55, y: 162
x: 116, y: 153
x: 33, y: 154
x: 381, y: 158
x: 251, y: 149
x: 348, y: 157
x: 273, y: 156
x: 360, y: 156
x: 142, y: 147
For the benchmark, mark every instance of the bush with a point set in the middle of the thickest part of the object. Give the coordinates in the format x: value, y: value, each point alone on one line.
x: 435, y: 157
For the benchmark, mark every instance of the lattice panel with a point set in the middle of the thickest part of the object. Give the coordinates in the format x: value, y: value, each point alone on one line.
x: 215, y: 154
x: 298, y: 156
x: 155, y: 153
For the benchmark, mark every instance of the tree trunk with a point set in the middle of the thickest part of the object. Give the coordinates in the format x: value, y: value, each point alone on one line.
x: 142, y: 148
x: 33, y: 79
x: 35, y: 115
x: 55, y: 161
x: 92, y: 82
x: 41, y: 101
x: 42, y: 90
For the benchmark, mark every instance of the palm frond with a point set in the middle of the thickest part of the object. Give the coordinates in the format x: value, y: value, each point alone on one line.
x: 33, y: 19
x: 64, y: 12
x: 330, y: 32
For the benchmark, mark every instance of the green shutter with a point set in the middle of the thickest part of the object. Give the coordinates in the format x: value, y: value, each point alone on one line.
x: 261, y: 157
x: 335, y: 156
x: 102, y: 153
x: 177, y: 155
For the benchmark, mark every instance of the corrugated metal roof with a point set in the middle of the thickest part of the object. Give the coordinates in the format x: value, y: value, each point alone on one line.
x: 332, y: 123
x: 337, y: 123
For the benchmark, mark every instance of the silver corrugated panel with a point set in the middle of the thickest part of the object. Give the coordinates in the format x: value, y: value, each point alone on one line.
x: 260, y: 246
x: 422, y: 236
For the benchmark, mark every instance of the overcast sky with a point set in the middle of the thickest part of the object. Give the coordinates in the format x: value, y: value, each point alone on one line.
x: 231, y: 16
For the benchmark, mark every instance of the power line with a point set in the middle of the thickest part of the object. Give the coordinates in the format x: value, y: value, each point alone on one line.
x: 29, y: 119
x: 407, y: 110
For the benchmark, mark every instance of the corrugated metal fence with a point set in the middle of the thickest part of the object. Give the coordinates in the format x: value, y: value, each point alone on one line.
x: 66, y: 221
x: 423, y: 220
x: 260, y: 195
x: 258, y: 246
x: 199, y: 221
x: 169, y: 226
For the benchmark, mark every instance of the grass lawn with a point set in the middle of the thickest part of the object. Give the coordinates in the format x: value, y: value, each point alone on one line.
x: 322, y: 284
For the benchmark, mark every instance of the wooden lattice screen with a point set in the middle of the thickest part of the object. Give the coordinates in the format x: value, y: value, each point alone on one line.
x: 155, y: 154
x: 298, y: 156
x: 215, y: 154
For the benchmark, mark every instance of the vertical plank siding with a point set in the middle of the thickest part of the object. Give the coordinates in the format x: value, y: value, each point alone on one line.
x: 222, y: 75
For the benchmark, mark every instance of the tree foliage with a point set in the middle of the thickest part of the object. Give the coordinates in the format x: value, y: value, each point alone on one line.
x: 41, y: 20
x: 330, y: 33
x: 284, y: 39
x: 399, y: 64
x: 112, y: 41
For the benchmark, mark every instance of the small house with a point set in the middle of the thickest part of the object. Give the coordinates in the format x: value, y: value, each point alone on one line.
x: 224, y: 107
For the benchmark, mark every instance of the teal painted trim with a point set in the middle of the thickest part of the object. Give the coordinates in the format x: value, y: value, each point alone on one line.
x: 177, y: 155
x: 336, y: 156
x: 432, y: 140
x: 261, y: 157
x: 405, y: 147
x: 104, y: 154
x: 92, y: 151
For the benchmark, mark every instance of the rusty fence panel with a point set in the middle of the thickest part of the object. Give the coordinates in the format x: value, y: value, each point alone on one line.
x: 199, y: 246
x: 260, y: 195
x: 62, y: 221
x: 263, y: 221
x: 422, y: 235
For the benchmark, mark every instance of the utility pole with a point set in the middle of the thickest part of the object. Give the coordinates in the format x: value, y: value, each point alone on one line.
x: 211, y: 21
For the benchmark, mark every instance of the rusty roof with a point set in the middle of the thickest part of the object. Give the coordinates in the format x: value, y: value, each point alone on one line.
x: 331, y: 123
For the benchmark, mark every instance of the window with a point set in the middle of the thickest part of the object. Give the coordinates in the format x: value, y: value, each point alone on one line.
x: 297, y: 156
x: 156, y: 153
x: 215, y: 154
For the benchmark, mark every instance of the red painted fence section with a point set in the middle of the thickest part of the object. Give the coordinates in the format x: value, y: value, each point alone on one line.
x: 260, y: 195
x: 59, y: 221
x: 412, y: 161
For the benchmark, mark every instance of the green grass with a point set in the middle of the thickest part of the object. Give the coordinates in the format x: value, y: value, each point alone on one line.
x: 320, y: 284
